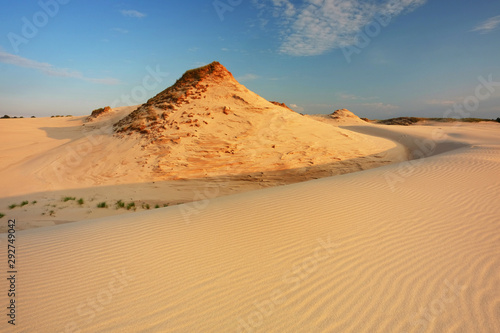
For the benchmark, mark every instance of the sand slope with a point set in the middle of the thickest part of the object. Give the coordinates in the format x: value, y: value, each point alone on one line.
x: 206, y: 125
x: 412, y: 247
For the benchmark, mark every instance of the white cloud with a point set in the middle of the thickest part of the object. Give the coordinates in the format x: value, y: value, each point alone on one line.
x: 381, y: 107
x: 132, y: 13
x: 247, y: 77
x: 441, y: 102
x: 120, y: 30
x: 317, y: 26
x: 351, y: 97
x: 488, y: 26
x: 48, y: 69
x: 296, y: 108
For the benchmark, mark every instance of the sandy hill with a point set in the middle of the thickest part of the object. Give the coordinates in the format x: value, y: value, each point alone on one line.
x: 206, y: 125
x: 339, y: 118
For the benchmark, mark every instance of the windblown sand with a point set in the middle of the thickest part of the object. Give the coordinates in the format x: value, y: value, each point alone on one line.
x: 408, y: 247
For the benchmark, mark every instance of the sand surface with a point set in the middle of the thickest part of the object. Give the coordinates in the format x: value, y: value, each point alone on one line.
x: 64, y: 167
x: 407, y: 247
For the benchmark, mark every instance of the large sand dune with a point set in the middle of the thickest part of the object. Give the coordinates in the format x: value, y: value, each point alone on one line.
x: 206, y: 129
x: 407, y: 247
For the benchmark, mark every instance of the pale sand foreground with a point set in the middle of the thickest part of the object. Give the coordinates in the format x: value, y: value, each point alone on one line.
x: 411, y: 247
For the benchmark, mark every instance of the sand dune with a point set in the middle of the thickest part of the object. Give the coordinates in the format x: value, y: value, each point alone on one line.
x: 206, y: 129
x: 407, y: 247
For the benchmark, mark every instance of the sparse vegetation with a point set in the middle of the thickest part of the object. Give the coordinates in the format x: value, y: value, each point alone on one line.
x: 145, y: 206
x: 97, y: 112
x: 102, y: 205
x: 2, y: 215
x: 33, y: 202
x: 80, y: 201
x: 52, y: 213
x: 473, y: 120
x: 65, y: 199
x: 157, y: 206
x: 131, y: 205
x: 406, y: 121
x: 22, y: 204
x: 120, y: 204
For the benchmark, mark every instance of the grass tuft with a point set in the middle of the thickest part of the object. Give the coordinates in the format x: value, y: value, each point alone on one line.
x: 102, y: 205
x: 68, y: 199
x: 131, y: 205
x: 2, y: 215
x: 120, y: 204
x: 12, y: 206
x: 80, y: 201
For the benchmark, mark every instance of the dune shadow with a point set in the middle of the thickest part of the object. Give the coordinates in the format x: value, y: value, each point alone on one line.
x: 74, y: 133
x: 417, y: 146
x: 239, y: 181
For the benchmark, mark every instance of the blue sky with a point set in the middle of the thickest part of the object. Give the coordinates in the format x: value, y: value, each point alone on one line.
x: 379, y: 59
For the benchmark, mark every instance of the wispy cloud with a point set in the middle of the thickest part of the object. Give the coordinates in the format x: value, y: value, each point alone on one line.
x: 132, y: 13
x: 488, y: 26
x: 48, y: 69
x: 120, y: 30
x: 388, y: 108
x: 441, y: 102
x: 351, y: 97
x: 296, y: 108
x: 247, y: 77
x: 317, y: 26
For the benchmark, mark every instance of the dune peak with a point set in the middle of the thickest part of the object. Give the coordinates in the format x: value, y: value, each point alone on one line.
x: 342, y: 114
